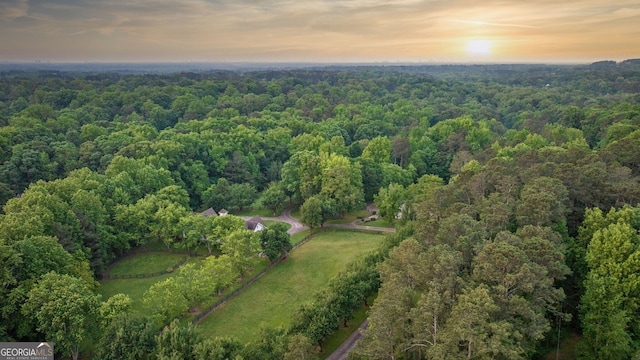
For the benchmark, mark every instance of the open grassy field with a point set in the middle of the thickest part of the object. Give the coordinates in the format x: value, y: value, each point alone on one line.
x: 136, y: 287
x: 350, y: 217
x: 378, y: 223
x: 140, y: 264
x: 271, y: 301
x: 296, y: 238
x: 145, y: 263
x: 270, y: 222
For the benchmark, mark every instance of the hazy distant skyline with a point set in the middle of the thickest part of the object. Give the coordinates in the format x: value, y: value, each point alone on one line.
x: 495, y: 31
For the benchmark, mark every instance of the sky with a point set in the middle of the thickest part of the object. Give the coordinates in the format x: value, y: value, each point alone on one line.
x: 458, y: 31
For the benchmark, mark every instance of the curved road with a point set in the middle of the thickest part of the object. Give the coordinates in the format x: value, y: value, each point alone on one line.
x: 297, y: 226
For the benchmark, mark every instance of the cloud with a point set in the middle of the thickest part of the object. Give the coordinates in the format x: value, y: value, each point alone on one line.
x: 11, y: 10
x: 315, y: 29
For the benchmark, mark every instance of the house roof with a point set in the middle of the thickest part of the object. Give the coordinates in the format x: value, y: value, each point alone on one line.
x: 255, y: 223
x: 209, y: 212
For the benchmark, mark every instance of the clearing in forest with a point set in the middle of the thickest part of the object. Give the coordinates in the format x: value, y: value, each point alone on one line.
x: 272, y: 300
x: 144, y: 263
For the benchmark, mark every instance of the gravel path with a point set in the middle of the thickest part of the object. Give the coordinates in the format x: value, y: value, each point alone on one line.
x: 343, y: 350
x: 297, y: 226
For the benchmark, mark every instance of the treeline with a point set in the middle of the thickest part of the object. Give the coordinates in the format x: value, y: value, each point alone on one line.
x: 488, y: 160
x: 503, y: 254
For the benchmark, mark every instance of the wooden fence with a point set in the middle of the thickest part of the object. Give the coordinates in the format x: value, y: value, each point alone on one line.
x: 225, y: 298
x: 173, y: 268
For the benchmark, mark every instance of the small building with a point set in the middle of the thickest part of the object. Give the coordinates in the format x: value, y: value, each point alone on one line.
x: 209, y: 212
x: 255, y: 224
x: 223, y: 212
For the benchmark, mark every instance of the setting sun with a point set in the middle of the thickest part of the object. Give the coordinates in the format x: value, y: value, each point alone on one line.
x: 478, y: 48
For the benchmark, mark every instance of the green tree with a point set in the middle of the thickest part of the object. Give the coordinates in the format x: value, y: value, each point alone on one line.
x: 241, y: 246
x: 342, y: 183
x: 194, y: 228
x: 64, y: 309
x: 542, y: 202
x: 165, y: 299
x: 300, y: 348
x: 271, y: 346
x: 378, y: 150
x: 218, y: 195
x: 223, y: 226
x: 9, y: 259
x: 275, y: 240
x: 311, y: 212
x: 165, y: 224
x: 612, y: 292
x: 129, y: 337
x: 372, y: 178
x: 111, y: 309
x: 389, y: 201
x: 40, y: 255
x: 218, y: 272
x: 219, y: 348
x: 301, y: 175
x: 177, y: 342
x: 274, y: 198
x: 242, y: 195
x: 472, y: 331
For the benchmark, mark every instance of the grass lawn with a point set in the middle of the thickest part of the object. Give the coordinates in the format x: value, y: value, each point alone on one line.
x: 135, y: 287
x: 145, y: 263
x: 259, y: 264
x: 350, y: 217
x: 269, y: 222
x: 271, y: 301
x: 296, y: 238
x: 378, y: 223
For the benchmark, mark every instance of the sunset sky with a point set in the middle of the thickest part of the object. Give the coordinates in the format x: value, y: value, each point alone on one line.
x: 496, y: 31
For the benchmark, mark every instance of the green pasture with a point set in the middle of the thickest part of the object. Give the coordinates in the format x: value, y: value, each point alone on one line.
x: 271, y: 301
x: 379, y: 223
x: 136, y: 287
x: 350, y: 217
x: 145, y: 263
x: 271, y: 222
x: 296, y: 238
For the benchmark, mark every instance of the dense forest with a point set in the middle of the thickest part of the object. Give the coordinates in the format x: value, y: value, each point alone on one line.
x: 518, y: 187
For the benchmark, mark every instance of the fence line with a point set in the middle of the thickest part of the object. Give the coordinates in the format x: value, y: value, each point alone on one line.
x: 224, y: 299
x: 171, y: 269
x: 227, y: 297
